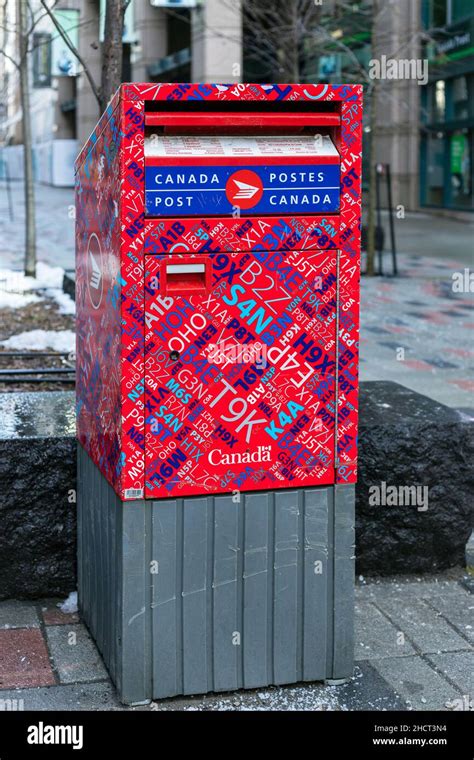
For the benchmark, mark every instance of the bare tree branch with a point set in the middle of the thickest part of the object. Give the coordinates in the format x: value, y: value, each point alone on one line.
x: 112, y: 49
x: 9, y: 58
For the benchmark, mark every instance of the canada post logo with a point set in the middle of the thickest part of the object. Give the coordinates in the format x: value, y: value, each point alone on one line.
x: 306, y: 188
x: 244, y: 189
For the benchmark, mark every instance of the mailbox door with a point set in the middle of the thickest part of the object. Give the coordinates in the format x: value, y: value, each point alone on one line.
x: 240, y: 371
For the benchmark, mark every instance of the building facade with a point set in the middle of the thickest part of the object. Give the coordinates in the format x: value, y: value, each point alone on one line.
x: 423, y: 129
x: 52, y: 74
x: 447, y: 112
x: 157, y: 42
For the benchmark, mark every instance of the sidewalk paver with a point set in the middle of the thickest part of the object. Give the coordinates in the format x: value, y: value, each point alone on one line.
x: 85, y: 696
x: 406, y: 588
x: 376, y: 636
x: 407, y: 631
x: 427, y: 629
x: 74, y: 654
x: 15, y: 614
x: 367, y: 690
x: 458, y: 667
x: 415, y: 330
x: 418, y: 683
x: 24, y: 659
x: 461, y: 617
x: 52, y: 615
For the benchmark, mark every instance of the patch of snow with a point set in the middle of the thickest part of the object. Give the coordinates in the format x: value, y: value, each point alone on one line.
x: 16, y: 300
x: 70, y: 604
x: 48, y: 277
x: 18, y: 282
x: 64, y: 301
x: 17, y: 290
x: 279, y: 699
x: 62, y: 340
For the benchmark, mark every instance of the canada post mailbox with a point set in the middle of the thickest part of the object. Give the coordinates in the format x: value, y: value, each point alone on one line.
x: 217, y: 290
x: 217, y: 278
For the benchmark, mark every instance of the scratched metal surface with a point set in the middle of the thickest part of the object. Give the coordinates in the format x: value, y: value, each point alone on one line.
x: 204, y: 594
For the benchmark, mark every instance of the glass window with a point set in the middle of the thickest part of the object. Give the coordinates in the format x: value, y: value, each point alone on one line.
x: 460, y: 98
x: 460, y: 9
x: 439, y: 100
x: 460, y: 166
x: 435, y: 169
x: 435, y: 103
x: 41, y: 59
x: 439, y: 15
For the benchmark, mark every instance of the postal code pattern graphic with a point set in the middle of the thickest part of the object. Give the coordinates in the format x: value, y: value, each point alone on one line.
x: 161, y: 426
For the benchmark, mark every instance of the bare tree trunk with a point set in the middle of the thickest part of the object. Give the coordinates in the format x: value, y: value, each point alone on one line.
x: 112, y: 50
x: 373, y: 137
x: 372, y: 183
x: 29, y: 188
x: 288, y: 54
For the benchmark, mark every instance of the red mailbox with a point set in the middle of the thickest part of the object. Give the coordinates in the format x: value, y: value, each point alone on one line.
x: 218, y: 232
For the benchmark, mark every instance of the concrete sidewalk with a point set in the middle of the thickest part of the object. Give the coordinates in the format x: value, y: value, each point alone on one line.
x: 418, y: 331
x: 414, y: 651
x: 55, y: 221
x: 428, y: 234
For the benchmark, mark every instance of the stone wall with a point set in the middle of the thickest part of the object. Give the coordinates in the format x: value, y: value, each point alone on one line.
x: 405, y: 440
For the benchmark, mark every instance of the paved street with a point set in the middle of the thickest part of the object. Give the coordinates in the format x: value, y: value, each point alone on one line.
x: 414, y: 651
x: 54, y: 226
x: 431, y: 235
x: 416, y: 331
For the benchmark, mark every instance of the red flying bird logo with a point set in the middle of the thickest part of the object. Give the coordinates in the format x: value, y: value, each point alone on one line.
x: 244, y: 189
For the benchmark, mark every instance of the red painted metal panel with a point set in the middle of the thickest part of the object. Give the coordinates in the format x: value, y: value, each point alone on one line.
x: 243, y: 233
x: 98, y: 329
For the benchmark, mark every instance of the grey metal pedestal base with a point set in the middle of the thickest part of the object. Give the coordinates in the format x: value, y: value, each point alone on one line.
x: 202, y: 594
